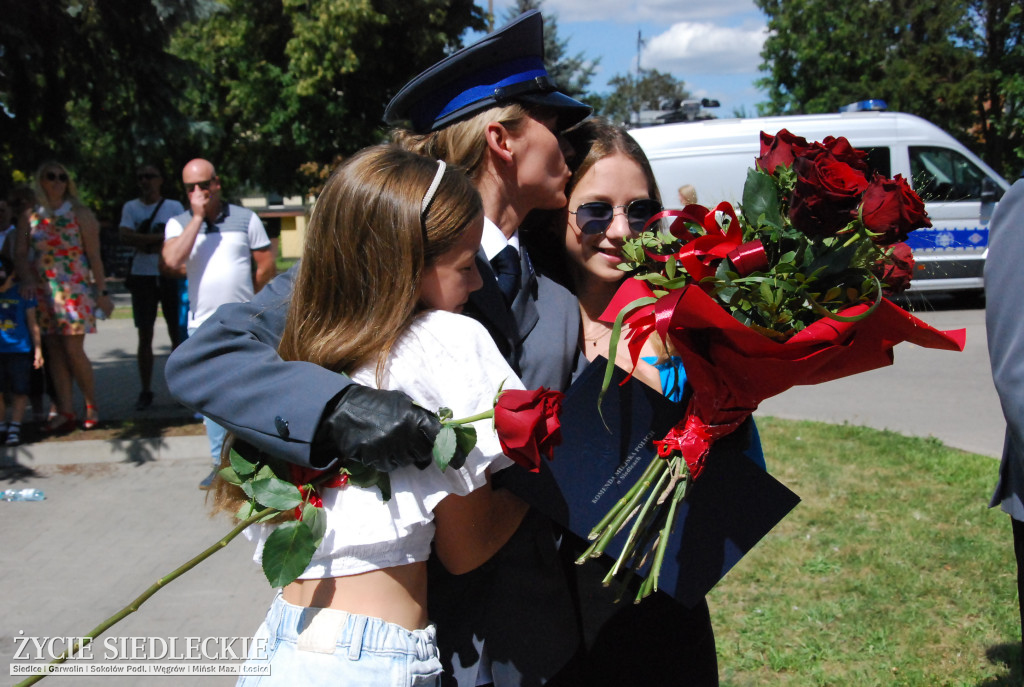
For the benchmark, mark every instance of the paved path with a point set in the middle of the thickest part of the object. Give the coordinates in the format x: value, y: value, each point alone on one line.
x: 118, y: 515
x: 926, y: 392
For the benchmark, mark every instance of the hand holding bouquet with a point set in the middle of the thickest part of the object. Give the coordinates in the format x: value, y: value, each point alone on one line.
x: 790, y: 291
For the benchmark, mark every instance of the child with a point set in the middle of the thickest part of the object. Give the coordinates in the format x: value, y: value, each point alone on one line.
x: 389, y: 259
x: 20, y: 351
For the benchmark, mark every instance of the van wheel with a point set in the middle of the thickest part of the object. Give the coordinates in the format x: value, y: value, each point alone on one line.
x: 971, y: 299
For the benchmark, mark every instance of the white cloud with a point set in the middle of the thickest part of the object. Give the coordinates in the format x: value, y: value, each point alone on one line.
x: 647, y: 11
x: 704, y: 48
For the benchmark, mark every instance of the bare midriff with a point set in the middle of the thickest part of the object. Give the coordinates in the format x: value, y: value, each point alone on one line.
x: 396, y: 595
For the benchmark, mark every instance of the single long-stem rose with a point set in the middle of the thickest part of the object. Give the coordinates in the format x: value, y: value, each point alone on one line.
x: 528, y: 426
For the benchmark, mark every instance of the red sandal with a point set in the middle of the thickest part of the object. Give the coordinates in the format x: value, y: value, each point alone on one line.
x: 90, y: 423
x: 61, y: 423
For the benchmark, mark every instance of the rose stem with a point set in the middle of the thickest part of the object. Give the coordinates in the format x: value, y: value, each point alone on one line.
x: 153, y: 589
x: 641, y: 517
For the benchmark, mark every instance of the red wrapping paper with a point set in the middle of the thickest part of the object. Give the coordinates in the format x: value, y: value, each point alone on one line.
x: 732, y: 368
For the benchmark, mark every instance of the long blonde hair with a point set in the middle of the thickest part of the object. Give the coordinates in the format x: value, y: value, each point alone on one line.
x: 366, y: 247
x: 70, y: 189
x: 462, y: 143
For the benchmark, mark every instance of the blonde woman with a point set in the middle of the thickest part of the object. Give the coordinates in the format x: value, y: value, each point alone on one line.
x: 66, y: 277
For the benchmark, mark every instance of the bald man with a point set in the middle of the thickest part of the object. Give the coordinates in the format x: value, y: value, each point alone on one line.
x: 217, y: 244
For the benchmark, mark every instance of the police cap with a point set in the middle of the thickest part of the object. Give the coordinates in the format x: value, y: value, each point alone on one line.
x: 502, y: 67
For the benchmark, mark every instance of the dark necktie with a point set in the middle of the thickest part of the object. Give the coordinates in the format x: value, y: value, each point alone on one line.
x: 508, y: 270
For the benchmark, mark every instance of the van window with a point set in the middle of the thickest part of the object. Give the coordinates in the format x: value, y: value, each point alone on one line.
x: 879, y: 160
x: 944, y: 174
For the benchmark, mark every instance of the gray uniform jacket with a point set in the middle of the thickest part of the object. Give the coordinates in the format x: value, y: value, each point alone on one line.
x: 518, y: 601
x: 1004, y: 321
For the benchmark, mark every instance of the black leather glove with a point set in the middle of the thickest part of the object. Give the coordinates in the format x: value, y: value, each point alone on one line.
x: 377, y: 428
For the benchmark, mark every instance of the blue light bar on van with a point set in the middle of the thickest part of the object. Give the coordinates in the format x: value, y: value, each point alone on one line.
x: 873, y: 105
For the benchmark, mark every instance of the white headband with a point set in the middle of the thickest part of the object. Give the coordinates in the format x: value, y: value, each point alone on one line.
x: 429, y: 195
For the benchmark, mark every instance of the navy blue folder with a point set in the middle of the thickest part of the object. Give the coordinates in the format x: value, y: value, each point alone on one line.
x: 731, y: 507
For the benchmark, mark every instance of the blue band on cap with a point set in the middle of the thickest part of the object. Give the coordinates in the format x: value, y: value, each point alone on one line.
x: 469, y: 90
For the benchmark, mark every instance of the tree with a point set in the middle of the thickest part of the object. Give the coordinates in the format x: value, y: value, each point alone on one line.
x: 572, y: 73
x: 89, y: 82
x: 653, y: 91
x: 293, y: 84
x: 956, y: 63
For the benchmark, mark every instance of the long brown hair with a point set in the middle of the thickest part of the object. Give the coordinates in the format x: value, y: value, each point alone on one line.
x: 359, y: 280
x: 366, y: 247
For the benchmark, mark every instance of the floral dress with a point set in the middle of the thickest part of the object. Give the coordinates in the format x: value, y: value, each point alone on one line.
x: 66, y: 302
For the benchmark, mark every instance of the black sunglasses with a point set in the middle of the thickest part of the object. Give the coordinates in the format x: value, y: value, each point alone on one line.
x: 596, y: 217
x: 205, y: 185
x: 54, y: 176
x: 147, y: 175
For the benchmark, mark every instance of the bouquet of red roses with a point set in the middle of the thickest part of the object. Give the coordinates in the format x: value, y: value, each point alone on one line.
x: 792, y: 290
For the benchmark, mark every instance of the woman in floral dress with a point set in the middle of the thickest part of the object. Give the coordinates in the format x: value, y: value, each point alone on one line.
x: 66, y: 277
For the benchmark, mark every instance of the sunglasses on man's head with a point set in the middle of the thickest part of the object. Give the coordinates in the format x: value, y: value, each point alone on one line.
x: 147, y: 175
x: 596, y: 217
x: 56, y: 176
x: 205, y: 185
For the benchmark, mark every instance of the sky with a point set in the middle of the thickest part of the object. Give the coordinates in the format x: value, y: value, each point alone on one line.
x: 713, y: 46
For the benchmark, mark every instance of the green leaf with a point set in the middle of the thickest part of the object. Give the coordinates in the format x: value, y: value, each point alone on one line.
x: 229, y: 475
x: 243, y: 467
x: 245, y: 511
x: 265, y: 472
x: 276, y: 493
x: 287, y: 553
x: 465, y: 440
x: 360, y: 475
x: 444, y: 414
x: 761, y: 200
x: 384, y: 484
x: 444, y: 447
x: 315, y: 518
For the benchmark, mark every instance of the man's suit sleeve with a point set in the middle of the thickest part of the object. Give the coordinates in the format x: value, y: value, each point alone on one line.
x: 1004, y: 318
x: 229, y: 370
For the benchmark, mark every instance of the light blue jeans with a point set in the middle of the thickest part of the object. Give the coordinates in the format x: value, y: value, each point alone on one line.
x: 322, y: 646
x: 215, y: 434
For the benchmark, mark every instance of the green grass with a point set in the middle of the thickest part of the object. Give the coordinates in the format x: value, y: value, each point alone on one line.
x: 284, y: 264
x: 891, y: 571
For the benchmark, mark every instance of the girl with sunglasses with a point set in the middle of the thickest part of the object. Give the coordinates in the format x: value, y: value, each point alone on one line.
x: 611, y: 195
x: 66, y: 277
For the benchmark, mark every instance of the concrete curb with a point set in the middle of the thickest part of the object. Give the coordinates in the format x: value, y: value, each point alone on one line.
x: 93, y: 451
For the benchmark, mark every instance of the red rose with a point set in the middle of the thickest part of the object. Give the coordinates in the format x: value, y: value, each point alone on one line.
x: 826, y: 195
x: 841, y: 150
x: 303, y: 476
x: 779, y: 149
x: 896, y: 269
x: 892, y: 210
x: 527, y: 425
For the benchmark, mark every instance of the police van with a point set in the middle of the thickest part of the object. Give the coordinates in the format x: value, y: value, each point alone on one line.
x: 960, y: 191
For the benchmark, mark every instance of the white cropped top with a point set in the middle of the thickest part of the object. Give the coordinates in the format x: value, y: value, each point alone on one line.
x: 442, y: 360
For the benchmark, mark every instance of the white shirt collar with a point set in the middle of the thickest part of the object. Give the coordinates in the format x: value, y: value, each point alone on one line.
x: 493, y: 241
